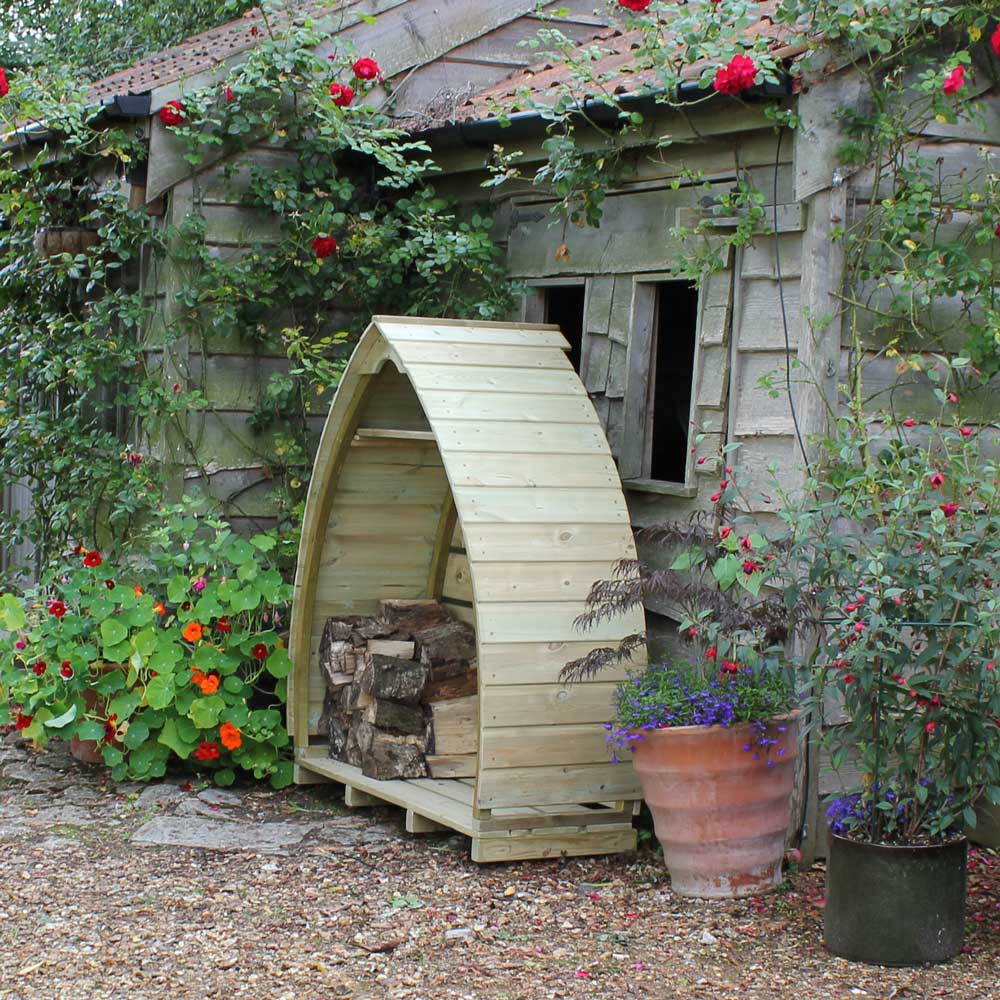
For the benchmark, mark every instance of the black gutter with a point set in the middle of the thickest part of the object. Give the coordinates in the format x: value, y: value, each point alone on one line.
x: 521, y: 124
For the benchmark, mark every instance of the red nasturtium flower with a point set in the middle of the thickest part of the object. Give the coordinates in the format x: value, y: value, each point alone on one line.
x: 78, y: 550
x: 228, y: 92
x: 342, y: 94
x: 22, y: 721
x: 995, y: 40
x: 223, y: 624
x: 736, y: 76
x: 936, y: 480
x: 909, y: 422
x: 207, y: 751
x: 366, y: 69
x: 57, y: 608
x: 66, y: 669
x: 137, y: 590
x: 751, y: 566
x: 110, y: 729
x: 954, y: 81
x: 160, y: 608
x: 40, y: 667
x: 230, y: 736
x: 4, y: 86
x: 192, y: 632
x: 637, y: 5
x: 92, y: 559
x: 323, y: 246
x: 110, y: 584
x: 172, y: 113
x: 725, y: 532
x: 259, y: 652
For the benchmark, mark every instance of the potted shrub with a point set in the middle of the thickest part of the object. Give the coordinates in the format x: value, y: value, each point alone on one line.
x: 901, y: 551
x: 171, y: 656
x: 714, y: 739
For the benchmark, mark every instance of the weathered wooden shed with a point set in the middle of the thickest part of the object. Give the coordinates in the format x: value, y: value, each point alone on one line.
x: 464, y: 461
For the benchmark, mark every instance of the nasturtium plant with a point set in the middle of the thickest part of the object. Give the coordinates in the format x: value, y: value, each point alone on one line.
x: 174, y: 659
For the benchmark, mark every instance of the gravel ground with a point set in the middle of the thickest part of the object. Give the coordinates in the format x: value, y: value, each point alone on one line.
x: 333, y: 905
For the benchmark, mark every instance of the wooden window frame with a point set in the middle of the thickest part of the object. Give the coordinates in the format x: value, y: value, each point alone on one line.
x: 533, y: 307
x: 636, y: 452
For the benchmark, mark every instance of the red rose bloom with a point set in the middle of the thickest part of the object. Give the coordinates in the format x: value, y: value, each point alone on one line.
x: 342, y: 95
x: 172, y: 113
x: 207, y: 751
x: 366, y: 69
x: 57, y: 608
x: 259, y: 652
x: 22, y: 721
x: 637, y: 5
x: 40, y: 667
x: 995, y: 40
x: 737, y: 76
x: 92, y: 559
x: 66, y: 670
x: 954, y: 81
x: 711, y: 653
x: 4, y: 86
x: 323, y: 246
x: 730, y: 667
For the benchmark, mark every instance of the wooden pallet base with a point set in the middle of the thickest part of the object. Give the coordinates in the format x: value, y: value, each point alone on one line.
x: 519, y: 834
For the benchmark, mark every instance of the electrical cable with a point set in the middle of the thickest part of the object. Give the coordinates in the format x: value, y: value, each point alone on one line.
x: 784, y: 312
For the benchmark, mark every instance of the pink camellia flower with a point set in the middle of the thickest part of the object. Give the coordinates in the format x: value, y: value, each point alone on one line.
x: 936, y: 480
x: 930, y: 727
x: 965, y: 431
x: 172, y: 113
x: 342, y: 94
x: 692, y: 632
x: 700, y: 461
x: 366, y: 69
x: 909, y: 422
x: 711, y: 653
x: 949, y: 509
x: 952, y: 397
x: 715, y: 497
x: 954, y: 81
x: 848, y: 678
x: 859, y: 627
x: 735, y: 77
x: 199, y: 585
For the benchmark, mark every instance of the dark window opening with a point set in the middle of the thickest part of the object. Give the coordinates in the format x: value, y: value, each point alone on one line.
x: 564, y: 307
x: 671, y: 377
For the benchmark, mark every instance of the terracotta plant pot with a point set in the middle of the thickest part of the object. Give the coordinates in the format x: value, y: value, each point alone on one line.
x: 895, y: 905
x: 85, y: 751
x: 721, y: 816
x: 89, y: 751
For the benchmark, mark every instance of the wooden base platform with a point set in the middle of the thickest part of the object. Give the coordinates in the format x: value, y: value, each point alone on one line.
x: 497, y: 835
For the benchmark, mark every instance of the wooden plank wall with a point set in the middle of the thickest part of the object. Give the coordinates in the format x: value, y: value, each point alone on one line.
x: 383, y: 524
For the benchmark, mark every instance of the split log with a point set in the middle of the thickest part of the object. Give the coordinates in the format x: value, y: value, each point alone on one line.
x: 393, y: 647
x: 447, y: 688
x: 388, y: 757
x: 385, y: 714
x: 336, y: 658
x: 450, y: 642
x: 389, y: 677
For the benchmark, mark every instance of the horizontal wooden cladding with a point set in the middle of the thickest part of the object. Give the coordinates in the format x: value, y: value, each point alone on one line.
x: 457, y: 579
x: 504, y: 435
x: 535, y: 621
x: 516, y: 663
x: 389, y: 519
x: 473, y: 378
x: 517, y: 746
x: 555, y: 785
x: 539, y: 505
x: 385, y: 481
x: 342, y: 552
x: 522, y: 407
x: 547, y: 542
x: 513, y: 469
x: 559, y: 842
x: 546, y: 705
x: 515, y: 581
x: 393, y: 451
x: 501, y: 336
x: 482, y: 355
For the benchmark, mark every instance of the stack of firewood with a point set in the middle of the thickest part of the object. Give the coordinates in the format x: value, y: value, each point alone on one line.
x: 401, y: 697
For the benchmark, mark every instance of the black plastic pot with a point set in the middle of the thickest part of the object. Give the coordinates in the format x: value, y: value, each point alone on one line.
x: 895, y: 905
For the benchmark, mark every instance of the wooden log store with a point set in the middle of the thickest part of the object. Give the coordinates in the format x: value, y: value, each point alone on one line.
x: 463, y: 477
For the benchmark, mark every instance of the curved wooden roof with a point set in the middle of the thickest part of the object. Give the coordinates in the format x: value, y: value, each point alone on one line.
x: 494, y: 429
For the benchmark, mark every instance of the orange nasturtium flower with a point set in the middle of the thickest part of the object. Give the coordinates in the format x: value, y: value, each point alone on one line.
x: 137, y: 590
x: 160, y: 608
x: 230, y: 736
x: 208, y: 683
x: 192, y: 632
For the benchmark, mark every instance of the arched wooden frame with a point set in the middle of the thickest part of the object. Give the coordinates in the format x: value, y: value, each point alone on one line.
x: 482, y: 432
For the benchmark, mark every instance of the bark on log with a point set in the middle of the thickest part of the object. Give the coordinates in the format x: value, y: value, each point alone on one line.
x: 398, y: 680
x: 394, y: 715
x: 388, y: 759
